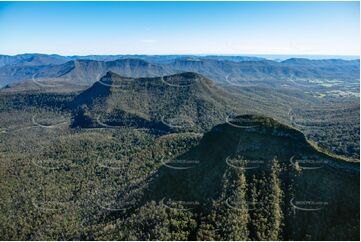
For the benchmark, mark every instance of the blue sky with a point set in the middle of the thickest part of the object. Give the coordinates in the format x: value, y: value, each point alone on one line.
x: 80, y: 28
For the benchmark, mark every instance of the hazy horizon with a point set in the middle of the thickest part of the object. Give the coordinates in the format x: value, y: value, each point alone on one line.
x: 270, y: 57
x: 180, y: 121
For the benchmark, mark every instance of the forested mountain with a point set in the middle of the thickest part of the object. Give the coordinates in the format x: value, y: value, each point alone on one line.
x: 80, y: 71
x: 223, y: 71
x: 57, y: 59
x: 250, y: 178
x: 227, y: 121
x: 32, y: 59
x: 133, y: 150
x: 254, y: 180
x: 326, y: 111
x: 271, y: 71
x: 185, y: 100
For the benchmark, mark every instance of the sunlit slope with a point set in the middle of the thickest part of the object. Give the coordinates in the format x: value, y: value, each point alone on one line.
x: 181, y: 101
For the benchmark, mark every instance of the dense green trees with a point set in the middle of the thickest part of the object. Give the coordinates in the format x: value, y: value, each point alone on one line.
x: 266, y: 198
x: 157, y: 222
x: 95, y: 183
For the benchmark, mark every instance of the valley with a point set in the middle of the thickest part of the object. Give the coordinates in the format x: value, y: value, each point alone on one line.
x: 179, y: 149
x: 180, y: 121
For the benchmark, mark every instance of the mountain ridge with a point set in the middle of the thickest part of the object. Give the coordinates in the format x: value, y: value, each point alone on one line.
x: 112, y: 91
x: 260, y: 70
x: 184, y: 97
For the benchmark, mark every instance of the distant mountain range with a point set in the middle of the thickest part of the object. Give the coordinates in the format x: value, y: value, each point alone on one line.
x: 179, y: 147
x: 38, y: 59
x: 222, y: 69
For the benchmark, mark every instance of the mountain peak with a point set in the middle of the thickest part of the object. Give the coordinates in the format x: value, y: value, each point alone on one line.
x: 188, y: 74
x: 187, y: 100
x: 185, y: 79
x: 130, y: 60
x: 111, y: 74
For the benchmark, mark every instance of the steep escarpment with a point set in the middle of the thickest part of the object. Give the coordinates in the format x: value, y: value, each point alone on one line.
x: 253, y: 178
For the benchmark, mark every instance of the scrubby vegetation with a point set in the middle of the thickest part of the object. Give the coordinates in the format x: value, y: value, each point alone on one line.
x: 104, y: 184
x: 108, y: 167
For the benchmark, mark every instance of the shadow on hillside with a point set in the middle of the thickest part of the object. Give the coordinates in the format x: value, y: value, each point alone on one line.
x: 195, y: 175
